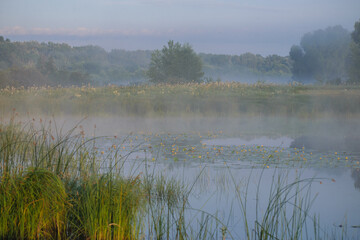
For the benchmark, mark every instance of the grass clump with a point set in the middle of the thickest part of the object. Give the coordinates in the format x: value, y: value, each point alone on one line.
x: 33, y: 206
x: 52, y: 188
x: 108, y: 208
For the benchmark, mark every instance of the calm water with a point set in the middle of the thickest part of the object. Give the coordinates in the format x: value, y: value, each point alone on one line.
x: 218, y: 165
x: 222, y: 157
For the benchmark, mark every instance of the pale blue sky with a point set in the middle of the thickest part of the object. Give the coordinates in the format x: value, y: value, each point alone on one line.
x: 212, y: 26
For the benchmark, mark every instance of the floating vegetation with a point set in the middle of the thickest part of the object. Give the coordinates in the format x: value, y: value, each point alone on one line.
x: 194, y: 148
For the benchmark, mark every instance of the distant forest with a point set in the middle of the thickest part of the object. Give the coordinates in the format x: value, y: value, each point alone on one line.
x: 53, y: 64
x: 329, y: 56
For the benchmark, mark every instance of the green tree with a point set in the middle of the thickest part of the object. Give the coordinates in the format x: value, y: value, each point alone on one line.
x: 321, y: 55
x: 354, y: 56
x: 175, y: 63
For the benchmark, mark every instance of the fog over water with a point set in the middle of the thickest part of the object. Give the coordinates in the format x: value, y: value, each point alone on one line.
x: 269, y: 102
x: 337, y: 199
x: 331, y: 127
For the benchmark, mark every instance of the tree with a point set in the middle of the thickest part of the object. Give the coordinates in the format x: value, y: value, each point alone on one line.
x: 354, y: 55
x: 175, y: 63
x: 321, y: 55
x: 355, y: 35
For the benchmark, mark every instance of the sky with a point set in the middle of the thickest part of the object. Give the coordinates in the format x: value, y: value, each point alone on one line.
x: 210, y: 26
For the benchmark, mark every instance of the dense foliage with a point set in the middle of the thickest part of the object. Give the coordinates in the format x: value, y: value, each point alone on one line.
x: 175, y: 63
x: 247, y: 67
x: 33, y: 63
x: 38, y: 64
x: 321, y: 56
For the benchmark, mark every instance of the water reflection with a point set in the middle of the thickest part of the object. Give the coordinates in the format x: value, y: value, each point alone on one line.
x: 219, y: 192
x: 223, y: 168
x: 240, y: 157
x: 355, y: 174
x: 220, y: 177
x: 326, y: 143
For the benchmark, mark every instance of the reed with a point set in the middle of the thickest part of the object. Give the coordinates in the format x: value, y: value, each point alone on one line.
x: 166, y: 203
x: 25, y: 146
x: 107, y: 208
x: 52, y: 188
x: 33, y: 206
x: 285, y: 214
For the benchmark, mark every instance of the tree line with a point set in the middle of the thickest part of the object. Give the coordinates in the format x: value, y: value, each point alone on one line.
x: 329, y: 56
x: 323, y: 56
x: 35, y: 64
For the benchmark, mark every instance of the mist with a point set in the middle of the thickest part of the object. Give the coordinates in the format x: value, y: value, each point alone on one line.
x: 199, y: 118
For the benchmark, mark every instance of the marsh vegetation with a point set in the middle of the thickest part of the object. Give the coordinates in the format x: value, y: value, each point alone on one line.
x: 212, y: 99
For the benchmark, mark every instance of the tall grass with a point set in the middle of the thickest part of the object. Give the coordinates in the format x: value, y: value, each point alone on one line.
x: 24, y: 146
x: 108, y: 208
x: 33, y: 206
x: 287, y: 210
x: 52, y: 188
x: 285, y: 214
x: 167, y: 200
x: 54, y: 185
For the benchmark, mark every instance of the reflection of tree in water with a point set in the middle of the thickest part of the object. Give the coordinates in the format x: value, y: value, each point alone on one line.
x: 355, y: 174
x: 326, y: 143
